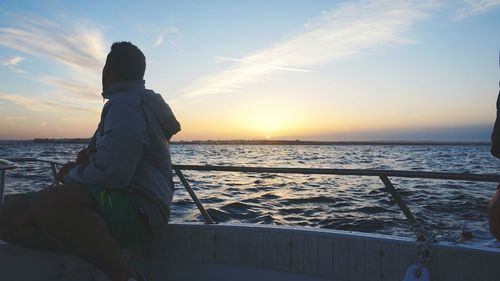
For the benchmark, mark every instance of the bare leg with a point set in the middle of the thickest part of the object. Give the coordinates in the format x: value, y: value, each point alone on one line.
x: 18, y: 227
x: 67, y: 214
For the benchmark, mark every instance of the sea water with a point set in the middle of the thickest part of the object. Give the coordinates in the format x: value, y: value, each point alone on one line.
x: 322, y: 201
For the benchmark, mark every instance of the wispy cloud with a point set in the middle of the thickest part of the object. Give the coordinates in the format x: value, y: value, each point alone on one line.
x: 14, y: 60
x: 166, y: 32
x: 470, y: 8
x: 79, y: 46
x: 251, y: 62
x: 79, y: 89
x: 347, y: 30
x: 12, y: 63
x: 159, y: 40
x: 37, y: 104
x: 12, y: 120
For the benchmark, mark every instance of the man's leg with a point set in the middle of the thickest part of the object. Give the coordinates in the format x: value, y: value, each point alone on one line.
x: 18, y: 227
x: 67, y: 214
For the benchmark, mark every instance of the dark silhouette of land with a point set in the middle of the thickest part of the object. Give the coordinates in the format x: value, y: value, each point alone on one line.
x: 300, y: 142
x: 280, y: 142
x: 74, y: 140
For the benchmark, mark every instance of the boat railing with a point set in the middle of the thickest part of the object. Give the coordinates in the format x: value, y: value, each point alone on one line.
x: 383, y: 175
x: 4, y: 166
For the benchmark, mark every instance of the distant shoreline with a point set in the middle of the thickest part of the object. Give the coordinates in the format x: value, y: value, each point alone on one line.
x: 274, y: 142
x: 68, y: 140
x: 299, y: 142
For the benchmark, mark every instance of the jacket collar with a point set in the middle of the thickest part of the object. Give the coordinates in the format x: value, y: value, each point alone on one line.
x: 123, y: 86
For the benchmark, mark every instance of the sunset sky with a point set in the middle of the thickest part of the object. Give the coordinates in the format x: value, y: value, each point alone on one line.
x: 309, y: 70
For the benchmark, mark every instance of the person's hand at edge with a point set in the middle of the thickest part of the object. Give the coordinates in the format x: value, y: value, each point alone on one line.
x: 494, y: 215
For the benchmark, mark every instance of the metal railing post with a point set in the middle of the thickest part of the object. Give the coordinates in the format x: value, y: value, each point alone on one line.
x: 395, y: 195
x: 204, y: 212
x: 54, y: 171
x: 4, y: 166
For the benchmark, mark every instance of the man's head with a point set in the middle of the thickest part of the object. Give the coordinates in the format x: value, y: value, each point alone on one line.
x: 125, y: 62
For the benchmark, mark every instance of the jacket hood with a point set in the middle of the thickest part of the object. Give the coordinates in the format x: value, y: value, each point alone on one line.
x: 123, y: 86
x: 162, y: 113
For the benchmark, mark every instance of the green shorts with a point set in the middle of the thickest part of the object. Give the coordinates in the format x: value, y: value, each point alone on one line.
x: 121, y: 211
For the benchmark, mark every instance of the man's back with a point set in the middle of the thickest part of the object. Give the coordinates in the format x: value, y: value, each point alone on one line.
x: 131, y: 145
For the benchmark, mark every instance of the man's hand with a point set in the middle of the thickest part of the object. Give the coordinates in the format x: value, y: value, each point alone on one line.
x: 83, y: 155
x: 64, y: 170
x: 82, y: 158
x: 494, y: 215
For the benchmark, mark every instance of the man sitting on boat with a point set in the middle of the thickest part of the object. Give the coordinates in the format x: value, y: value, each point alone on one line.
x: 120, y: 188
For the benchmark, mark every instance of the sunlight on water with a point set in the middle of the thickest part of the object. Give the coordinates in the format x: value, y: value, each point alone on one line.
x: 339, y: 202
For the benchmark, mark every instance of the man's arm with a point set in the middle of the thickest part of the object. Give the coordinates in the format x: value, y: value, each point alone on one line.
x: 81, y: 158
x: 118, y: 150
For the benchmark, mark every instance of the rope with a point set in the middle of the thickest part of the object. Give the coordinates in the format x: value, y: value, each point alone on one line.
x: 424, y: 238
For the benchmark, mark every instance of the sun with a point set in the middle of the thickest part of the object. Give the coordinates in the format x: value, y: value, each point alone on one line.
x: 268, y: 136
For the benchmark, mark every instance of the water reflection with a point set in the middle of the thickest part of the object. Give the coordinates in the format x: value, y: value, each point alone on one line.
x: 340, y: 202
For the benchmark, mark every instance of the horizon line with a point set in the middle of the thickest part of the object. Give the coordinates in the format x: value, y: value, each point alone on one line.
x: 272, y: 141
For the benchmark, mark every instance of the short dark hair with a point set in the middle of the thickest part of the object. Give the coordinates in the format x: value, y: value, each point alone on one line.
x: 127, y: 61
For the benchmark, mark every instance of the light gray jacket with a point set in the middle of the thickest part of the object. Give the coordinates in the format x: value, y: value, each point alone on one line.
x: 131, y: 144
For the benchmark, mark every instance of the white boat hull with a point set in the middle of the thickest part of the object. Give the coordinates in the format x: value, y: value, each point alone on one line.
x: 193, y: 251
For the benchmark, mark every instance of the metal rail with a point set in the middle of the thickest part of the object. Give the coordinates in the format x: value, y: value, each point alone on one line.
x: 346, y: 172
x: 55, y: 163
x: 382, y: 174
x: 43, y: 160
x: 4, y: 166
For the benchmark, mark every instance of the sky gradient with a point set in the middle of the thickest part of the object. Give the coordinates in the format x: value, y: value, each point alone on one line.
x: 309, y: 70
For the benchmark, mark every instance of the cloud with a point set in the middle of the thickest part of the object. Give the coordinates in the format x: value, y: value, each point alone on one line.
x: 37, y: 104
x: 79, y: 46
x: 271, y: 67
x: 345, y: 31
x: 470, y: 8
x: 12, y: 120
x: 79, y: 89
x: 12, y: 62
x: 166, y: 31
x: 159, y: 40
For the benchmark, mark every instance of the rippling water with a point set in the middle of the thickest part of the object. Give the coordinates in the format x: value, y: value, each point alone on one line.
x: 337, y: 202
